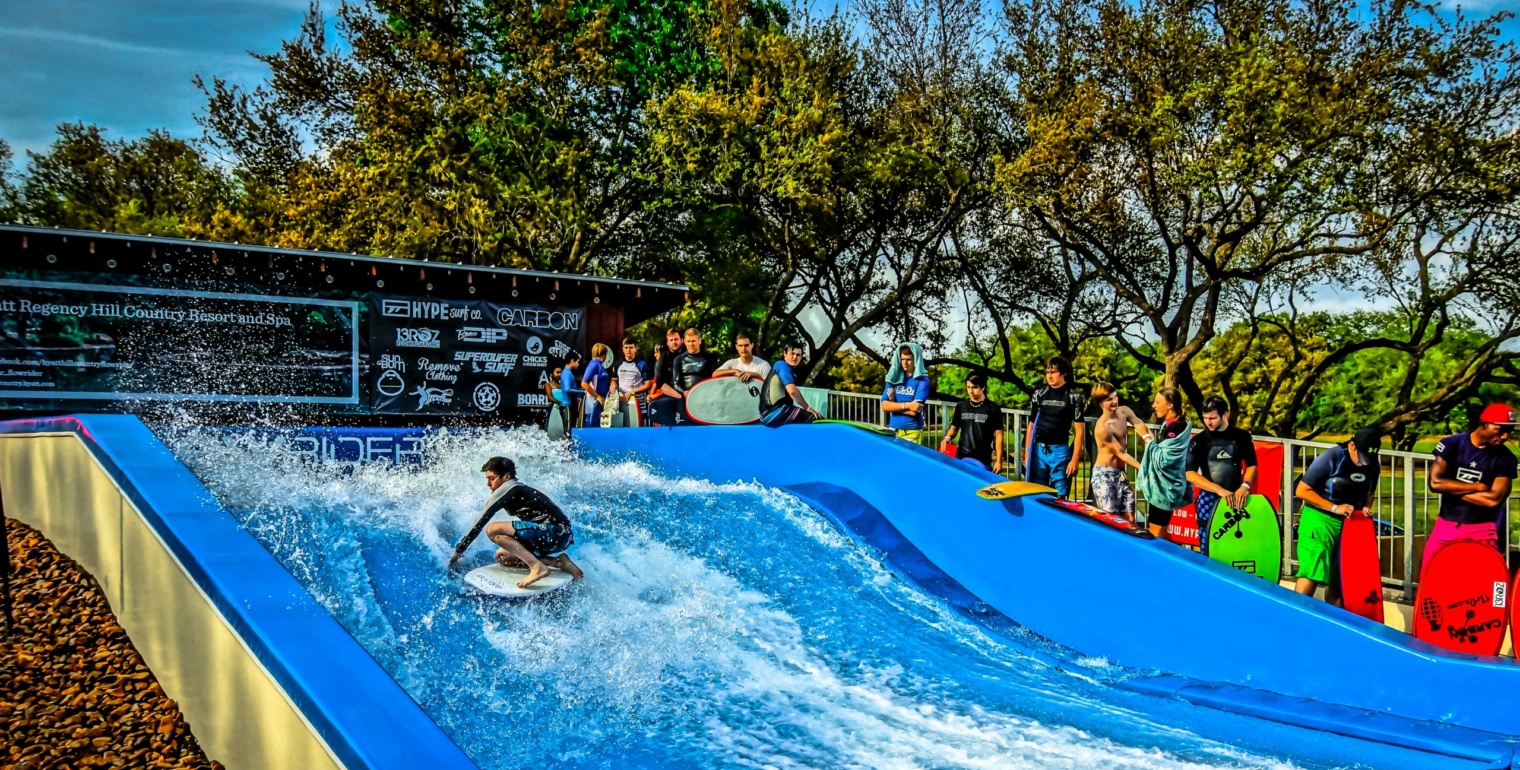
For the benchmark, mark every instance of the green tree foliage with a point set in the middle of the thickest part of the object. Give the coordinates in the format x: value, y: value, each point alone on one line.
x: 507, y: 132
x: 156, y: 185
x: 1182, y: 150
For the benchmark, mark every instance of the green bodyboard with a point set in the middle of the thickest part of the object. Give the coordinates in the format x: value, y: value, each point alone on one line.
x: 1249, y: 540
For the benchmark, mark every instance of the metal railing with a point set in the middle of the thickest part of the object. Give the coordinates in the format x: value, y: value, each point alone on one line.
x: 1404, y: 502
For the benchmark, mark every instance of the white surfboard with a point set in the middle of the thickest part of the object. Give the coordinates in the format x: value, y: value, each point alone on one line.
x: 724, y: 401
x: 497, y: 580
x: 631, y: 416
x: 610, y: 417
x: 556, y: 425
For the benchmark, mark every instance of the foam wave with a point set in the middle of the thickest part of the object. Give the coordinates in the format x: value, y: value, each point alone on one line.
x: 721, y: 625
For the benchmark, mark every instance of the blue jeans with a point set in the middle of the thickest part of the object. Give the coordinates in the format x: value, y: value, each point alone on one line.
x: 1047, y: 465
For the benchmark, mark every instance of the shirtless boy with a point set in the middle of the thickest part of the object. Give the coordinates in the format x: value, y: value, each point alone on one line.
x: 1111, y: 489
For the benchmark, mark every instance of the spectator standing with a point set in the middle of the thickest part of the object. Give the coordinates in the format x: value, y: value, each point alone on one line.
x: 746, y: 367
x: 569, y: 392
x: 976, y: 426
x: 906, y: 393
x: 1222, y: 465
x: 1340, y: 482
x: 688, y: 368
x: 781, y: 401
x: 1111, y: 489
x: 597, y: 382
x: 1056, y: 408
x: 633, y: 375
x: 1163, y: 465
x: 1473, y: 473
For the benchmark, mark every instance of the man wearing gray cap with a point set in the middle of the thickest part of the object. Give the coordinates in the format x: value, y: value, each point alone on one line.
x: 1341, y: 482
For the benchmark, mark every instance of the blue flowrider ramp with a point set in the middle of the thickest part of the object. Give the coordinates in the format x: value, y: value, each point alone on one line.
x: 1214, y: 636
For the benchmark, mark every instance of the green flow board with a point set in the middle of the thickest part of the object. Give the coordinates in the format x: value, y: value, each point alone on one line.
x: 1249, y: 540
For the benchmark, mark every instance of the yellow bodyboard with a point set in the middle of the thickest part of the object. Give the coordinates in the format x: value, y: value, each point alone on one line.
x: 1009, y: 489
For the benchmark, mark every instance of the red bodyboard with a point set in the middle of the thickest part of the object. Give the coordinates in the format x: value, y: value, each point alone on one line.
x: 1183, y: 529
x: 1103, y: 517
x: 1463, y: 599
x: 1269, y: 463
x: 1361, y: 576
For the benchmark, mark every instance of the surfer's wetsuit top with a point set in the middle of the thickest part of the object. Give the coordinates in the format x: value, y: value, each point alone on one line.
x: 1220, y: 457
x: 976, y: 425
x: 1055, y: 409
x: 632, y: 375
x: 541, y: 526
x: 777, y: 407
x: 690, y: 369
x: 1460, y: 519
x: 601, y: 380
x: 1341, y: 481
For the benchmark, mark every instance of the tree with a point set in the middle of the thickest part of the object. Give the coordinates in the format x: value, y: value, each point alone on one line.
x: 1184, y: 150
x: 842, y: 173
x: 156, y: 185
x: 503, y: 133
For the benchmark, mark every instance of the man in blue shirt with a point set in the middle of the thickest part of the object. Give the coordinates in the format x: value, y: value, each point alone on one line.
x: 781, y: 401
x: 907, y: 390
x: 1341, y: 481
x: 633, y: 375
x: 1473, y: 472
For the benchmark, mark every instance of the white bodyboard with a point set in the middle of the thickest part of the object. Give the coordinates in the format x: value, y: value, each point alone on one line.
x: 724, y: 401
x: 497, y: 580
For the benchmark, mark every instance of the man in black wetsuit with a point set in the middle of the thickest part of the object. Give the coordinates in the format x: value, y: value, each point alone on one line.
x: 690, y: 367
x: 536, y: 532
x: 1221, y: 463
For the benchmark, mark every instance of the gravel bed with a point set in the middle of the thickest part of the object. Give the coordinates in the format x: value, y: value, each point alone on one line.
x: 73, y: 690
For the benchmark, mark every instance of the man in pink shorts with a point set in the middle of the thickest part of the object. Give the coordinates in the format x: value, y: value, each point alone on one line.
x: 1473, y: 473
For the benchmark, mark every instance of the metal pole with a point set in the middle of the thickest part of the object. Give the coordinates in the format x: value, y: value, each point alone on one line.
x: 1285, y: 504
x: 1409, y: 584
x: 5, y: 574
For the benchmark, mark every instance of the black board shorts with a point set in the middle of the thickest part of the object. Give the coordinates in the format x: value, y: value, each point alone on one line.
x: 542, y: 540
x: 1155, y: 516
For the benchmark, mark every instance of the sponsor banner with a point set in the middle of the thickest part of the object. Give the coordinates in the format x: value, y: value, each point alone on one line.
x: 464, y: 357
x: 64, y: 342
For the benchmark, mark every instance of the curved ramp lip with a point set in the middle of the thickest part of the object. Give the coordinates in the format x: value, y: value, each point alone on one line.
x: 363, y: 717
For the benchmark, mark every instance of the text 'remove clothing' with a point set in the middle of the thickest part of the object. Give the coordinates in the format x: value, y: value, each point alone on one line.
x: 1221, y: 456
x: 1055, y: 410
x: 976, y: 426
x: 1471, y: 464
x: 1335, y: 477
x: 631, y: 375
x: 909, y: 390
x: 690, y: 369
x: 756, y: 366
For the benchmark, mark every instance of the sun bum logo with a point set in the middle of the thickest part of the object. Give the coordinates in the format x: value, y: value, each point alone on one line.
x: 417, y: 338
x: 1232, y: 521
x: 532, y: 399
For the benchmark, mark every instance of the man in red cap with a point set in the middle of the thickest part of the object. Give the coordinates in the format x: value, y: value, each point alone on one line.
x: 1473, y: 473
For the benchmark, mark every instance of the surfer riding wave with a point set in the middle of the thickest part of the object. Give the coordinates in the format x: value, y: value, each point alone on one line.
x: 535, y: 534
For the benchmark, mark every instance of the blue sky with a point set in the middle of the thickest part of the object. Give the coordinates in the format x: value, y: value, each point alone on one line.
x: 126, y: 65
